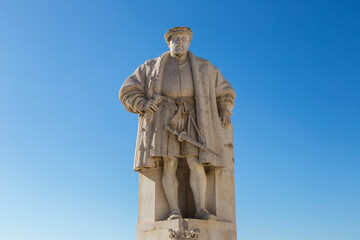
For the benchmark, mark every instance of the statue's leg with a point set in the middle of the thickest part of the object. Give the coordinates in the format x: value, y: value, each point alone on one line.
x: 198, y: 186
x: 197, y: 182
x: 170, y: 185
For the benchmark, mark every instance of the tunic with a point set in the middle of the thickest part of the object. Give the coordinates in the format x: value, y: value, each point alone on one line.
x: 177, y: 110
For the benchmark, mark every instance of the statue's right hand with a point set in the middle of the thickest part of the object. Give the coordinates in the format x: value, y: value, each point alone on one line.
x: 151, y: 106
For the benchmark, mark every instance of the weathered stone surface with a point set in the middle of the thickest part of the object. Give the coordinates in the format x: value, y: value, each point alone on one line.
x: 186, y: 234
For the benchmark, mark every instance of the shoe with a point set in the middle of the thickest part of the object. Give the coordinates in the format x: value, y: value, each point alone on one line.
x: 174, y: 215
x: 205, y: 215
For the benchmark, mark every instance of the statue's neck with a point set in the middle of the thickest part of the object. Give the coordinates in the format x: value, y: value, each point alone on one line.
x: 178, y: 57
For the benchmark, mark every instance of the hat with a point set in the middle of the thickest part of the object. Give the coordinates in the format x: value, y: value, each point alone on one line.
x: 176, y: 30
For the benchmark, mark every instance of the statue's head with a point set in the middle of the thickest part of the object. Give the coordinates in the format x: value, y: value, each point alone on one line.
x: 178, y: 39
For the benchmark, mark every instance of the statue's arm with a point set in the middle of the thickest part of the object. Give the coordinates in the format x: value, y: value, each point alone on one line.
x: 132, y: 94
x: 225, y: 97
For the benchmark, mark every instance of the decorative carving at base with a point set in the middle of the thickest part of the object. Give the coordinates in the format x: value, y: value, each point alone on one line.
x: 184, y: 234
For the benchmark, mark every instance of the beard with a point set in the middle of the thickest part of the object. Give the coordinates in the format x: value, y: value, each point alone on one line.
x: 179, y: 50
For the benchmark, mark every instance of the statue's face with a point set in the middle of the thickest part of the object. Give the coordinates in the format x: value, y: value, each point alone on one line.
x: 179, y: 43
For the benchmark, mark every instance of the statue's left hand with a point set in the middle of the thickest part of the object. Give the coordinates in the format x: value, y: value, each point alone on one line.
x: 225, y: 121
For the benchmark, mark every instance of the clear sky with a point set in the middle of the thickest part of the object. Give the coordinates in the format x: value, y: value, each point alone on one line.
x: 67, y: 144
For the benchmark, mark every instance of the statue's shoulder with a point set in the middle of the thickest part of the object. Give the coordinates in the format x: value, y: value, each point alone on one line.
x: 203, y: 61
x: 152, y: 62
x: 200, y: 60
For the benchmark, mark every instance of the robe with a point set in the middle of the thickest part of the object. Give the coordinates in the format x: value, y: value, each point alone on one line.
x: 214, y: 97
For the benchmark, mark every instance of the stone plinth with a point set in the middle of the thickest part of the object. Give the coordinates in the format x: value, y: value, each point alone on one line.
x: 220, y: 200
x: 186, y: 229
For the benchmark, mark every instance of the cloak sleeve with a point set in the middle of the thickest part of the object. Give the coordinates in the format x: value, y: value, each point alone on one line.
x: 225, y: 95
x: 131, y: 93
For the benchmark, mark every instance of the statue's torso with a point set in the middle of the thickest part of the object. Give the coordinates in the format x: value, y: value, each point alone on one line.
x: 178, y: 81
x: 175, y: 111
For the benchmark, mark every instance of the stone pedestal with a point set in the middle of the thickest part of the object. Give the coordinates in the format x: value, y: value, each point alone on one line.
x: 186, y: 229
x: 220, y: 200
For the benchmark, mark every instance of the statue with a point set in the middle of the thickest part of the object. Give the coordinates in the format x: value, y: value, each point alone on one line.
x: 184, y: 104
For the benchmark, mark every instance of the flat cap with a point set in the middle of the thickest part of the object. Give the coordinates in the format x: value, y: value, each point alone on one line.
x: 176, y: 30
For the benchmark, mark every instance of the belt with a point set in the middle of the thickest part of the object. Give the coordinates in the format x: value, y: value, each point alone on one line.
x: 175, y: 103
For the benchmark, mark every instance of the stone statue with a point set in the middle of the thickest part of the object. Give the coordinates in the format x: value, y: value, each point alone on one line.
x: 184, y: 104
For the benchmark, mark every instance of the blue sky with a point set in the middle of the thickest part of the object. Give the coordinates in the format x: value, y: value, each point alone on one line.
x: 67, y: 144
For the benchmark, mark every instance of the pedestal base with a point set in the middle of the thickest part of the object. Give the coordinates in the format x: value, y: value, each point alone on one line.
x: 186, y: 229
